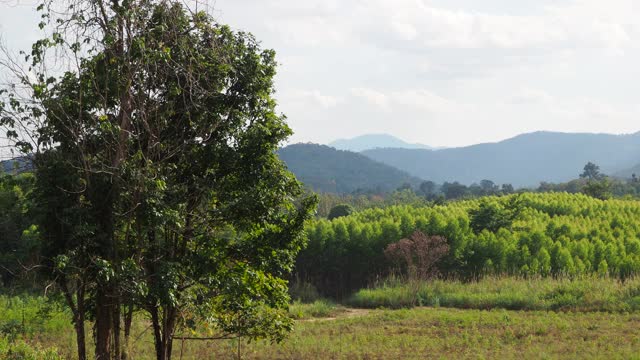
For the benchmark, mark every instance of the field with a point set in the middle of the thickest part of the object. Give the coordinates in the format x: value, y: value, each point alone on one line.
x: 559, y: 279
x: 328, y: 331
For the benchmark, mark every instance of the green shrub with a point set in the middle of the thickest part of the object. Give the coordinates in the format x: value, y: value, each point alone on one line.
x: 303, y: 291
x: 317, y: 309
x: 20, y: 350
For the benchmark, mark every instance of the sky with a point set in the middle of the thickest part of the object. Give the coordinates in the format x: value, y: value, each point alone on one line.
x: 438, y: 72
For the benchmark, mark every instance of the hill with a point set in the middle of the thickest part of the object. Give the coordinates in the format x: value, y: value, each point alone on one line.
x: 627, y: 173
x: 326, y: 169
x: 375, y: 141
x: 16, y: 165
x: 524, y: 160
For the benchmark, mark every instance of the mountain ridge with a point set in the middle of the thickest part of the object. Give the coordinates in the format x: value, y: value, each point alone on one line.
x: 375, y: 141
x: 326, y: 169
x: 524, y: 160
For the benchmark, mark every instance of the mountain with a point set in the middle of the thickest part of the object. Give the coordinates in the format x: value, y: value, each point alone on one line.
x: 16, y: 165
x: 627, y: 173
x: 375, y: 141
x: 326, y: 169
x: 524, y: 160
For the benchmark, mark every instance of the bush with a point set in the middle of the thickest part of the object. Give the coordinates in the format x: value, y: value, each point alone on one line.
x: 317, y: 309
x: 340, y: 211
x: 303, y: 291
x: 20, y: 350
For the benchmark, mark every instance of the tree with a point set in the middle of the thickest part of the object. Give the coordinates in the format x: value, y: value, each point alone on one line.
x: 157, y: 175
x: 340, y: 211
x: 598, y: 185
x: 488, y: 187
x: 454, y: 190
x: 418, y: 254
x: 507, y: 189
x: 19, y: 242
x: 599, y: 189
x: 591, y: 172
x: 428, y: 189
x: 492, y: 216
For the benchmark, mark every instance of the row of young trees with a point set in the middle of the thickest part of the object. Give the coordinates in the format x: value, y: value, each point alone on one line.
x: 554, y: 234
x: 156, y: 185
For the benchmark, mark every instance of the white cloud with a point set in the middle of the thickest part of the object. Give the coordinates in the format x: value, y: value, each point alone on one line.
x: 443, y: 72
x: 530, y: 96
x: 373, y: 97
x: 314, y: 97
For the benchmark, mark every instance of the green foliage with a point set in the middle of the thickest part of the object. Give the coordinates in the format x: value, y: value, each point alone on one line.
x: 493, y: 216
x: 584, y: 294
x: 20, y: 350
x: 591, y: 172
x: 316, y: 309
x: 325, y: 169
x: 28, y: 316
x: 303, y: 291
x: 554, y: 234
x: 158, y: 186
x: 598, y: 188
x: 340, y: 211
x: 19, y: 238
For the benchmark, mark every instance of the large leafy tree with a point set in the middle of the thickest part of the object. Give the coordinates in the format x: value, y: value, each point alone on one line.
x: 157, y: 176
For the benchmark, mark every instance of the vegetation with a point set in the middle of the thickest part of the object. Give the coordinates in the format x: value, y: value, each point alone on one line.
x: 552, y: 234
x: 157, y: 185
x: 157, y: 210
x: 19, y: 240
x: 316, y: 309
x: 340, y: 211
x: 325, y: 169
x: 412, y: 334
x: 585, y: 294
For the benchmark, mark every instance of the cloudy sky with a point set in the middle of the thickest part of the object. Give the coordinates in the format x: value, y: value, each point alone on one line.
x: 439, y: 72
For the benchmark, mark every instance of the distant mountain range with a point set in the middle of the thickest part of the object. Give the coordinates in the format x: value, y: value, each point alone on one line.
x: 524, y: 160
x: 326, y: 169
x: 628, y: 172
x: 375, y: 141
x: 16, y: 165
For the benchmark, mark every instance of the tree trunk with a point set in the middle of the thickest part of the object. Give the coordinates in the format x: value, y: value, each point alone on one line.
x: 128, y: 318
x: 167, y: 338
x: 157, y: 333
x: 163, y: 331
x: 116, y: 350
x: 80, y: 337
x: 103, y: 326
x: 78, y: 314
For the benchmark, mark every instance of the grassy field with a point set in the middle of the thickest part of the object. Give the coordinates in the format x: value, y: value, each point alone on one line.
x: 328, y: 331
x: 431, y: 333
x: 584, y: 294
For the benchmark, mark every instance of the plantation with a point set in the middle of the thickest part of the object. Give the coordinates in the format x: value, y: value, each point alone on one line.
x: 551, y: 234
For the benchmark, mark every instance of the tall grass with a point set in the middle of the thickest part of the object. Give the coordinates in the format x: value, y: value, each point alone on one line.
x: 317, y: 309
x: 584, y: 294
x: 32, y: 314
x: 20, y: 350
